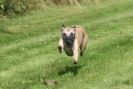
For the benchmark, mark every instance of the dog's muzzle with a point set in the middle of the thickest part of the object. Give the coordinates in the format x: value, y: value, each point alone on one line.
x: 69, y: 40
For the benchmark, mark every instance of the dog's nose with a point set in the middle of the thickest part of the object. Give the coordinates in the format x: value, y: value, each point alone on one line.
x: 68, y: 41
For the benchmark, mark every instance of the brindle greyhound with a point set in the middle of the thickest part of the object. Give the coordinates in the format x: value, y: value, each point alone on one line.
x: 73, y: 38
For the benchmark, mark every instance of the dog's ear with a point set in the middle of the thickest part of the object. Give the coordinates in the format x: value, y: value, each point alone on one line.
x: 62, y: 27
x: 74, y: 26
x: 75, y: 29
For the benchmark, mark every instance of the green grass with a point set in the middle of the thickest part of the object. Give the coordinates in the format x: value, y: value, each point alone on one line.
x: 28, y: 48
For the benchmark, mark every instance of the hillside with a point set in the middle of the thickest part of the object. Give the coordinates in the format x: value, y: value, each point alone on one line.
x: 29, y: 55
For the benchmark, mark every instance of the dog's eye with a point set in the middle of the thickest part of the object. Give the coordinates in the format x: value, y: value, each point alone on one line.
x: 64, y: 34
x: 71, y: 34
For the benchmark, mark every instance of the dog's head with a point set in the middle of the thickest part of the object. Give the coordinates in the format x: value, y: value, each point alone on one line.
x: 68, y: 35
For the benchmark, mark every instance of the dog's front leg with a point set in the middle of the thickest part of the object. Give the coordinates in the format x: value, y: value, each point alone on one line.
x: 75, y: 51
x: 61, y: 45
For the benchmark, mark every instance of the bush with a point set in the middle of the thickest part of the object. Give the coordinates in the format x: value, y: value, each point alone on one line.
x: 20, y: 7
x: 36, y: 4
x: 12, y: 7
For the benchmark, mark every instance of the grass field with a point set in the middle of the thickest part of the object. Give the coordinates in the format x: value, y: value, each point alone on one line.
x: 29, y: 55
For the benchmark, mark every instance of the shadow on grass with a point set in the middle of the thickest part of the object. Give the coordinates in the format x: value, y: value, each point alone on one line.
x: 72, y: 69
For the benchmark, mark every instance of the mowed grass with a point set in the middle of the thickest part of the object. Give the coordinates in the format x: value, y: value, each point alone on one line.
x: 29, y: 55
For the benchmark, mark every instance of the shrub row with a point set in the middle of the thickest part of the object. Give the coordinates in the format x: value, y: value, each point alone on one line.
x: 20, y: 7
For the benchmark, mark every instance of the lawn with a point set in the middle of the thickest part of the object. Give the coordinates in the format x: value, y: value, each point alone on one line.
x: 29, y: 55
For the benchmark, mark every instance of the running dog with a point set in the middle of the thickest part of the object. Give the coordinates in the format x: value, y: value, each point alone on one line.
x: 72, y: 39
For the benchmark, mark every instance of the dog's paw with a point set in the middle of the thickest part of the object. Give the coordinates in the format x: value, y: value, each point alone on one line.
x: 81, y: 53
x: 75, y: 62
x: 59, y: 49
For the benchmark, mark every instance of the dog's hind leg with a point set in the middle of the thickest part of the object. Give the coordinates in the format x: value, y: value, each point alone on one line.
x: 81, y: 50
x: 83, y: 45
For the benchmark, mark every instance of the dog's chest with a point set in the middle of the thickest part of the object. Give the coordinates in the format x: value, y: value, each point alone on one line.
x: 68, y: 50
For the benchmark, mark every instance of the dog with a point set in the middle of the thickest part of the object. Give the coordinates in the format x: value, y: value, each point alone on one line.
x: 72, y: 39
